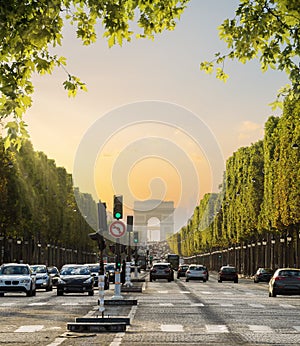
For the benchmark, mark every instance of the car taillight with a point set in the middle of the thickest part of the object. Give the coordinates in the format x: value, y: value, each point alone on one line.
x: 188, y: 271
x: 167, y: 270
x: 278, y: 278
x: 204, y: 272
x: 153, y: 270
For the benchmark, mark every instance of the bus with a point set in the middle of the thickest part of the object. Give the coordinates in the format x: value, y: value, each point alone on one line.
x: 174, y: 260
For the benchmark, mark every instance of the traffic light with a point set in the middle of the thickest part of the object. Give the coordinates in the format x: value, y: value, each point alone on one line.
x: 135, y: 237
x: 129, y: 223
x: 118, y: 207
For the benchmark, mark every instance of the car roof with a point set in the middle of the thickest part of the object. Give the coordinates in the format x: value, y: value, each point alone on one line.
x: 15, y: 264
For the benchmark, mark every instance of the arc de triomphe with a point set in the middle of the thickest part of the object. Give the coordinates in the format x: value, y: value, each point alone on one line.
x: 145, y: 210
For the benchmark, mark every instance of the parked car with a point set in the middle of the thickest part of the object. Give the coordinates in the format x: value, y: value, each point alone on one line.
x: 43, y: 278
x: 75, y: 278
x: 15, y: 277
x: 94, y: 269
x: 161, y: 271
x: 196, y: 272
x: 228, y: 273
x: 263, y: 275
x: 54, y: 273
x: 181, y: 270
x: 285, y: 281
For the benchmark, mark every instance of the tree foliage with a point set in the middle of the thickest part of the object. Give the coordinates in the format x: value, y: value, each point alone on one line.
x: 29, y: 29
x: 259, y: 193
x: 267, y: 30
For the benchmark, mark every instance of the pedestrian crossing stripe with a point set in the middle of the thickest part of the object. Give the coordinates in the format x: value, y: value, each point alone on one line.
x: 29, y: 329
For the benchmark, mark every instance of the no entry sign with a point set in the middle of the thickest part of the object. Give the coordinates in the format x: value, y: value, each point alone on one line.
x: 117, y: 229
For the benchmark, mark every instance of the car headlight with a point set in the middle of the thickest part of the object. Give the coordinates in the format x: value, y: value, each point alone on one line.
x: 88, y: 281
x: 25, y: 281
x: 61, y: 282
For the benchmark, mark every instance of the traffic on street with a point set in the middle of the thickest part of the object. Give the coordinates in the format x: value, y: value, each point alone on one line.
x: 175, y: 312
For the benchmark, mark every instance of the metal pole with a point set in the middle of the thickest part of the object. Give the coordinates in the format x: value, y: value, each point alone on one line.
x: 117, y: 293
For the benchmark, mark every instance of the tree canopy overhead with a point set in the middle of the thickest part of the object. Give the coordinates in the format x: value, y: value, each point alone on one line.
x: 30, y: 28
x: 267, y: 30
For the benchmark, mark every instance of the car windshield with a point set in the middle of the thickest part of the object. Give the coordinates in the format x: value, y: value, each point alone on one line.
x: 196, y: 268
x: 14, y: 270
x: 110, y: 267
x: 183, y: 268
x: 94, y: 269
x: 38, y: 269
x: 289, y: 273
x: 161, y: 266
x: 229, y: 270
x: 75, y: 271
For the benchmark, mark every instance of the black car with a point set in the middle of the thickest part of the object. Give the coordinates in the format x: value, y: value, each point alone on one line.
x: 285, y: 281
x: 161, y: 271
x: 181, y: 270
x: 263, y: 275
x: 94, y: 268
x: 75, y: 278
x: 110, y: 270
x: 228, y: 273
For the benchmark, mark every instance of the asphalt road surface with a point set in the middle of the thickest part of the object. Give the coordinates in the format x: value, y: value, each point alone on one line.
x: 168, y: 313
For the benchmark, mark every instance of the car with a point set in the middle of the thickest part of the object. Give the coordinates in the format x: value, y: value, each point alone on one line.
x: 75, y: 278
x: 285, y: 281
x: 43, y: 278
x: 196, y: 272
x: 95, y: 268
x: 110, y: 270
x: 17, y: 277
x: 54, y: 273
x: 263, y: 275
x: 161, y: 270
x: 228, y: 273
x: 181, y: 270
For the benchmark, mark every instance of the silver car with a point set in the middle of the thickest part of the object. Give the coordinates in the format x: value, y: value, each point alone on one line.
x: 196, y: 272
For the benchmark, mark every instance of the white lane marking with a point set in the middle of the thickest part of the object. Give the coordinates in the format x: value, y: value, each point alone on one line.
x: 166, y: 304
x: 197, y: 304
x: 297, y: 328
x: 70, y: 304
x: 216, y: 328
x: 163, y: 292
x: 226, y: 305
x: 260, y: 329
x: 256, y: 305
x: 186, y: 292
x: 57, y: 342
x: 171, y: 328
x: 29, y: 328
x: 206, y: 292
x: 8, y: 304
x: 37, y: 304
x: 119, y: 336
x: 287, y: 306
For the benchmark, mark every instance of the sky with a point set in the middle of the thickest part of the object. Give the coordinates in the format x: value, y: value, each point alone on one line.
x: 152, y: 125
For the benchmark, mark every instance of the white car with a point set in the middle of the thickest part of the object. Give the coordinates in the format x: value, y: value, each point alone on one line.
x: 17, y: 277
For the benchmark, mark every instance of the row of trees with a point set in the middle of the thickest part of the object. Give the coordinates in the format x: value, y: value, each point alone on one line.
x: 259, y: 198
x: 38, y: 208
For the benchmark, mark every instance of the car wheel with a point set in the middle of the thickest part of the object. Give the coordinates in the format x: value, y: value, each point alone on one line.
x: 29, y: 293
x: 2, y: 294
x: 60, y: 293
x: 204, y: 280
x: 151, y: 279
x: 91, y: 293
x: 49, y: 288
x: 169, y: 280
x: 273, y: 294
x: 236, y: 281
x: 34, y: 292
x: 186, y: 280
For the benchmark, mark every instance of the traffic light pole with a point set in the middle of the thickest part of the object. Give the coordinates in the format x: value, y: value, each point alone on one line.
x: 117, y: 293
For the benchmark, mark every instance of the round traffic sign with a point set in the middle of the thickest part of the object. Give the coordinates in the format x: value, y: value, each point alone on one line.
x: 117, y: 229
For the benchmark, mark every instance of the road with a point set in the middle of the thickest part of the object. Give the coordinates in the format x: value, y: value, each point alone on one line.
x: 177, y: 313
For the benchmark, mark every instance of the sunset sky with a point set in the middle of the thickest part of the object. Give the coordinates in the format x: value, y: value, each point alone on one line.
x: 153, y: 158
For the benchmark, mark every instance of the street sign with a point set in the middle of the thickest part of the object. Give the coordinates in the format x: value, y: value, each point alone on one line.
x: 117, y: 229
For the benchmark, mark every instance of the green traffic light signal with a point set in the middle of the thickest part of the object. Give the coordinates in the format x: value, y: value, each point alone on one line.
x: 118, y: 207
